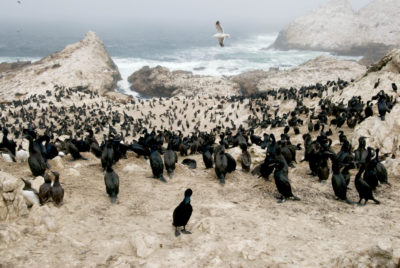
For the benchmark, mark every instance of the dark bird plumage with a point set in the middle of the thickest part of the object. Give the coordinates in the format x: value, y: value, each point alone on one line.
x: 182, y: 213
x: 111, y: 180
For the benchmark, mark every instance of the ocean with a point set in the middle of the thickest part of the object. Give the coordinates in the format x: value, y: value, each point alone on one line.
x: 199, y: 53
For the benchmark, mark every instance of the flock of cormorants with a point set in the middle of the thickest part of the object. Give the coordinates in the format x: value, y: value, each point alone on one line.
x: 80, y: 124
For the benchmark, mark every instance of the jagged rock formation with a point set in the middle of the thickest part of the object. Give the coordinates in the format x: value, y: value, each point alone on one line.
x: 336, y: 27
x: 161, y: 82
x: 12, y: 203
x: 85, y: 63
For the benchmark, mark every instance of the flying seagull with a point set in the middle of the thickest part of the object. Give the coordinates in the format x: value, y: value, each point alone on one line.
x: 220, y: 35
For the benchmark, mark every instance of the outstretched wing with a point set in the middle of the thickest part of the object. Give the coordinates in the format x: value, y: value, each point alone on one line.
x: 221, y: 41
x: 219, y: 28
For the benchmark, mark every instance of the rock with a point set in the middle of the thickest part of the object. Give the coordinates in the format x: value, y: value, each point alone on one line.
x: 161, y: 82
x: 143, y: 244
x: 9, y: 184
x: 318, y: 70
x: 248, y: 81
x: 85, y: 63
x: 77, y: 165
x: 57, y: 163
x: 336, y: 27
x: 74, y: 172
x: 12, y: 204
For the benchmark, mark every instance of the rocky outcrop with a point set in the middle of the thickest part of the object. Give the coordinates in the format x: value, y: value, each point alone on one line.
x: 336, y: 27
x: 387, y: 70
x: 380, y: 134
x: 248, y: 81
x: 12, y: 203
x: 318, y: 70
x: 161, y: 82
x: 85, y: 63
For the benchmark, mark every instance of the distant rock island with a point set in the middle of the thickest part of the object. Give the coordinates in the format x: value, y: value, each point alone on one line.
x: 85, y: 63
x: 336, y: 27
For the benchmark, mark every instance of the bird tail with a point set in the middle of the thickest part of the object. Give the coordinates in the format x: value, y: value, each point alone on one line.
x: 113, y: 199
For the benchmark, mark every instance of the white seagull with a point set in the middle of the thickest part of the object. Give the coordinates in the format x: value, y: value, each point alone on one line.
x: 220, y: 35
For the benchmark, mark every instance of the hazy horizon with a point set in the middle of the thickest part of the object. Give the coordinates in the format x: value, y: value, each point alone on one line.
x: 104, y: 15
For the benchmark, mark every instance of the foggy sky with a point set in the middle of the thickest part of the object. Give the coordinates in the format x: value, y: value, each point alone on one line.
x: 268, y: 14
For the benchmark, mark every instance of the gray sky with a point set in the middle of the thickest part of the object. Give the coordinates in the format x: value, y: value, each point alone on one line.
x: 271, y: 14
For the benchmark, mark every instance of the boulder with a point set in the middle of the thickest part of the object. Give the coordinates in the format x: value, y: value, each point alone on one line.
x: 336, y: 27
x: 161, y: 82
x: 85, y: 63
x: 12, y: 204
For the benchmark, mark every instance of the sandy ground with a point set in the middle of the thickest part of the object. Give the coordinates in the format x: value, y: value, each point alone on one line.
x: 236, y: 225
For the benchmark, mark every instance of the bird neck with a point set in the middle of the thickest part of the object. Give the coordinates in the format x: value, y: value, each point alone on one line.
x: 187, y: 200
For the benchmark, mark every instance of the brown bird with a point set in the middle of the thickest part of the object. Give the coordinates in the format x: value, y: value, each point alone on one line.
x: 57, y: 192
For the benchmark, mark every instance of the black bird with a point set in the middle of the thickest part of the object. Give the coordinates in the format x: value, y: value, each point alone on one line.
x: 282, y: 181
x: 394, y: 86
x: 368, y: 110
x: 382, y: 108
x: 36, y: 162
x: 221, y: 163
x: 339, y: 183
x: 107, y: 155
x: 57, y: 192
x: 191, y: 163
x: 170, y: 159
x: 111, y: 180
x: 363, y: 189
x: 45, y: 190
x: 73, y: 150
x: 207, y: 159
x: 377, y: 83
x: 157, y: 165
x: 370, y: 174
x: 246, y: 160
x: 182, y: 213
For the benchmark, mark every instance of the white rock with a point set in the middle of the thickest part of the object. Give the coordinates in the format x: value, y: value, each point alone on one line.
x: 79, y: 64
x: 7, y: 158
x: 335, y: 26
x: 57, y: 163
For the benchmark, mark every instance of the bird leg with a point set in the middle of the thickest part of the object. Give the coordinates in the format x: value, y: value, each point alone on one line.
x: 184, y: 231
x: 177, y: 233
